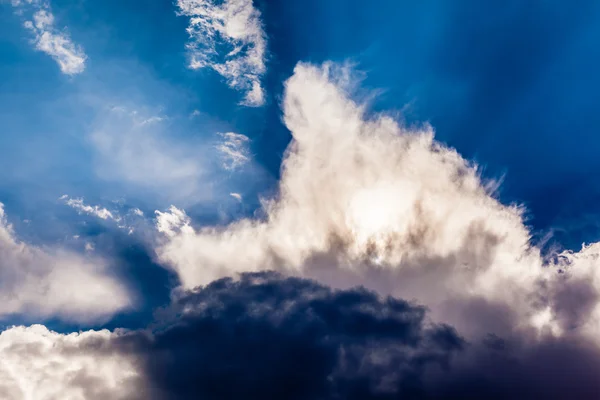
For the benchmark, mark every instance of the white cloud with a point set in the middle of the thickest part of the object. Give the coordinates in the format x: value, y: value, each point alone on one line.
x: 47, y: 38
x: 44, y: 282
x: 235, y: 25
x: 169, y: 223
x: 38, y: 364
x: 234, y: 150
x: 364, y: 200
x: 139, y: 148
x: 236, y: 196
x: 81, y: 207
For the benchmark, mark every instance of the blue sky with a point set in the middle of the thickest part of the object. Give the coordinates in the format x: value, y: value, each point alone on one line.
x: 490, y: 79
x: 133, y: 133
x: 508, y: 86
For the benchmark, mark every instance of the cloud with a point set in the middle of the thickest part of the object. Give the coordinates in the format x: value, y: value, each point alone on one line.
x: 171, y: 222
x: 38, y: 364
x: 265, y: 336
x: 365, y: 200
x: 47, y: 38
x: 131, y: 220
x: 81, y: 207
x: 41, y: 282
x: 137, y: 148
x: 234, y: 150
x: 228, y: 37
x: 288, y: 338
x: 236, y: 196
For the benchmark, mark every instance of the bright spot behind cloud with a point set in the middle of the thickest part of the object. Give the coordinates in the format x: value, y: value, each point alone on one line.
x: 364, y: 200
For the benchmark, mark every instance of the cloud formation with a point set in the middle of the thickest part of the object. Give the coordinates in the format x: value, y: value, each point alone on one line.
x: 265, y: 336
x: 366, y: 200
x: 41, y: 282
x: 57, y: 43
x: 81, y: 207
x: 38, y: 364
x: 289, y: 338
x: 234, y: 150
x: 228, y: 37
x: 137, y: 148
x: 273, y: 337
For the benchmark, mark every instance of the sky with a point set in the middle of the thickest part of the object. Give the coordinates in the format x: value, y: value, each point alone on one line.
x: 299, y: 199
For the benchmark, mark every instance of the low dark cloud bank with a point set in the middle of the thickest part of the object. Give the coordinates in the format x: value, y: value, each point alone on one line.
x: 265, y: 336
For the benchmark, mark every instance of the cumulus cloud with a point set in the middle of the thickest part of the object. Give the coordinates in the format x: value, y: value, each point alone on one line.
x: 228, y: 37
x: 41, y: 282
x: 366, y: 200
x: 171, y: 222
x: 38, y: 364
x: 48, y: 38
x: 234, y: 150
x: 289, y: 338
x: 265, y: 336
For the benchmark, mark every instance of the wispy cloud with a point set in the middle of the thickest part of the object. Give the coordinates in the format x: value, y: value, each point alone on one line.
x: 234, y: 25
x: 234, y: 150
x: 81, y: 207
x: 57, y: 43
x: 130, y: 220
x: 140, y: 149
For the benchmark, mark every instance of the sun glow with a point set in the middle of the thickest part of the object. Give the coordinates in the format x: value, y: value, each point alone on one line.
x: 377, y: 213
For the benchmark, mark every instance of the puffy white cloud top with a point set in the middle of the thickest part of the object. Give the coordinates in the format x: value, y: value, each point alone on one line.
x: 366, y: 200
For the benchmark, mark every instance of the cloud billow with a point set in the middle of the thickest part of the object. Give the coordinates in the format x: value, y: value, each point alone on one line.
x: 365, y: 200
x: 267, y: 336
x: 291, y: 338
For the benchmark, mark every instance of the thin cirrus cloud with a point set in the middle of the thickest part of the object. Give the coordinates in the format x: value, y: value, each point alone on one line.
x: 44, y: 282
x: 143, y: 151
x: 137, y: 148
x: 234, y: 26
x: 364, y: 200
x: 234, y: 150
x: 130, y: 220
x: 55, y: 42
x: 81, y: 207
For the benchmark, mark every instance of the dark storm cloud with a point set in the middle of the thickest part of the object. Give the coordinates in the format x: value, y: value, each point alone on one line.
x: 264, y: 336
